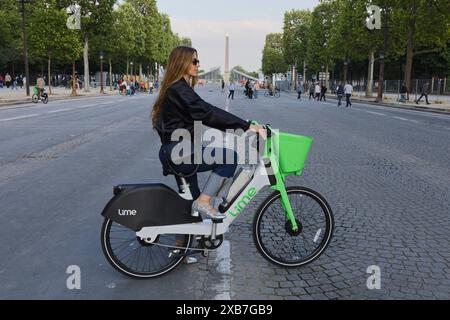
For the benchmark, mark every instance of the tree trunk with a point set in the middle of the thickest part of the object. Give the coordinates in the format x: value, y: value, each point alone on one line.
x: 140, y: 70
x: 157, y: 72
x: 380, y: 82
x: 86, y: 64
x: 49, y: 76
x: 128, y: 64
x: 327, y: 79
x: 383, y: 60
x: 410, y: 47
x: 345, y: 73
x: 74, y: 90
x: 110, y: 75
x: 369, y: 89
x: 409, y: 59
x: 304, y: 72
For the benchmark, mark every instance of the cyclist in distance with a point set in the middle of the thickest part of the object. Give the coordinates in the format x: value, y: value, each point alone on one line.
x: 178, y: 106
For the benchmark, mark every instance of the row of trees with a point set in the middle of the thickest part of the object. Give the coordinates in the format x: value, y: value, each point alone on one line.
x: 335, y: 36
x: 123, y: 33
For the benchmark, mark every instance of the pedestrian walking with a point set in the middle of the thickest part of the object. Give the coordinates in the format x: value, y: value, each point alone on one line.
x: 223, y: 86
x: 424, y: 93
x: 299, y: 90
x: 311, y: 90
x: 317, y: 91
x: 348, y: 90
x: 7, y: 80
x: 231, y: 88
x: 250, y: 91
x: 247, y: 87
x: 404, y: 93
x: 151, y: 87
x: 14, y: 83
x: 340, y: 93
x: 256, y: 87
x: 323, y: 91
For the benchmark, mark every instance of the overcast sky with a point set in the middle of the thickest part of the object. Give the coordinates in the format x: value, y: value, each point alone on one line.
x: 246, y: 21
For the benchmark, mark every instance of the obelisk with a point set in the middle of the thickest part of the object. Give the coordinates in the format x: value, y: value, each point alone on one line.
x: 226, y: 76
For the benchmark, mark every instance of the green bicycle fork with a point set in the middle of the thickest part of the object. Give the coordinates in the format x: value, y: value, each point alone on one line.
x: 280, y: 186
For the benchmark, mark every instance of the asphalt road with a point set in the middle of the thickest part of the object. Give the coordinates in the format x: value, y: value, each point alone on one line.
x: 384, y: 171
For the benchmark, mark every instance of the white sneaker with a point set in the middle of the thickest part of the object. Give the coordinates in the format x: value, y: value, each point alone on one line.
x: 190, y: 260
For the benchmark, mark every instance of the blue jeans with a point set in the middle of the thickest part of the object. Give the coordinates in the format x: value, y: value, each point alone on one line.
x: 225, y: 170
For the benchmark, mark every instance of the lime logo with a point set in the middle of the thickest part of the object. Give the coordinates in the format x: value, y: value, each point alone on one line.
x: 243, y: 202
x: 123, y: 212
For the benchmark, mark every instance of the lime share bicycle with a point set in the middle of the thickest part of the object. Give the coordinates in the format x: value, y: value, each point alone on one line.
x: 39, y: 96
x: 148, y: 229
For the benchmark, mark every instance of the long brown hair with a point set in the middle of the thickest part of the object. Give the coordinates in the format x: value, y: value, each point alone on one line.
x: 180, y: 60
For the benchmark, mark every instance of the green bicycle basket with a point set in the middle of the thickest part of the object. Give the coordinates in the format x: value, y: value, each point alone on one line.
x: 35, y: 90
x: 292, y: 152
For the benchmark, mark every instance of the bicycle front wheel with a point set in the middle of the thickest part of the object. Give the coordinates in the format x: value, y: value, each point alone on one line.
x: 136, y: 258
x: 273, y: 234
x: 35, y: 98
x: 277, y: 94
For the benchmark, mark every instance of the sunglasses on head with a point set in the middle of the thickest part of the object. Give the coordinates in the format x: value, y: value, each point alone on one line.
x: 195, y: 62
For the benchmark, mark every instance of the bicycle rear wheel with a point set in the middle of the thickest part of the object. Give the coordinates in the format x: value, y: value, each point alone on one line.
x: 277, y: 94
x: 138, y: 259
x: 273, y: 234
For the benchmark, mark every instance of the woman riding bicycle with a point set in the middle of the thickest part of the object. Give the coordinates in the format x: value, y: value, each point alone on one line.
x: 178, y: 106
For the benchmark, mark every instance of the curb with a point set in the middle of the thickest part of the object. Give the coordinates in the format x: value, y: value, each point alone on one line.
x: 19, y: 102
x: 384, y: 104
x: 408, y: 107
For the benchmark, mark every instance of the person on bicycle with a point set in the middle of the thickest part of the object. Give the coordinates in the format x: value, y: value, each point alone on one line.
x: 178, y: 106
x: 40, y: 84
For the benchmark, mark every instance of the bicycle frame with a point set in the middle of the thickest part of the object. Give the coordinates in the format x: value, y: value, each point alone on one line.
x: 266, y: 174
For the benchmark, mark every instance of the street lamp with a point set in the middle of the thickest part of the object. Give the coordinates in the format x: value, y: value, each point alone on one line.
x: 131, y: 63
x: 101, y: 73
x: 345, y: 71
x: 321, y: 78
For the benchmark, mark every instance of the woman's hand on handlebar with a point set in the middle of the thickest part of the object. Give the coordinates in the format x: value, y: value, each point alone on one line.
x: 259, y: 129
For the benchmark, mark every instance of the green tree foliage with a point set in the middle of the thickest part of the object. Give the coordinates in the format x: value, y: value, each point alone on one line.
x: 351, y: 40
x: 273, y: 56
x: 323, y: 22
x: 48, y: 34
x: 297, y: 24
x: 49, y: 38
x: 11, y: 40
x: 420, y: 26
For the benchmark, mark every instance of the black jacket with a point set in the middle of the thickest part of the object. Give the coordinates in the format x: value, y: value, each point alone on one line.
x: 182, y: 106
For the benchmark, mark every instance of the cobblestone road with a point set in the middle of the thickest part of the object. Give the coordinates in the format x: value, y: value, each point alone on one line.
x: 385, y: 173
x: 387, y: 180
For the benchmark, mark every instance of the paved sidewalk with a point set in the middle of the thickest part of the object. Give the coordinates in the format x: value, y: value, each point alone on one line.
x: 438, y: 103
x: 11, y: 97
